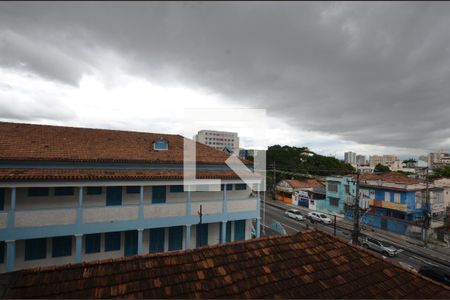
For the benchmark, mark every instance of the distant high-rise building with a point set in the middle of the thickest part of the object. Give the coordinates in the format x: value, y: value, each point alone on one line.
x: 350, y: 157
x: 438, y: 159
x: 360, y: 160
x: 385, y: 160
x: 219, y: 139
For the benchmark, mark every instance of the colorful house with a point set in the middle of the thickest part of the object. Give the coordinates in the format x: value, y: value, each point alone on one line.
x: 340, y: 191
x: 395, y: 201
x: 306, y: 193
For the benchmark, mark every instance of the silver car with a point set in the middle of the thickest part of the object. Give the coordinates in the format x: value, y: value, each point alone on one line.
x: 294, y: 214
x: 378, y: 246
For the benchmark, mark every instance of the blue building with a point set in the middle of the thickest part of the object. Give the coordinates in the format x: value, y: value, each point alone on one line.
x: 395, y: 204
x: 340, y: 191
x: 69, y: 195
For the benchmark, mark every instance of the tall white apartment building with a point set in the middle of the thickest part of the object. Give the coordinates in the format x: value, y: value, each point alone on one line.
x: 385, y: 160
x: 69, y: 195
x: 360, y: 160
x: 219, y: 139
x: 350, y: 157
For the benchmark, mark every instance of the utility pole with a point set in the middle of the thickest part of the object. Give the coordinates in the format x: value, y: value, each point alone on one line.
x: 274, y: 181
x: 355, y: 233
x: 427, y: 204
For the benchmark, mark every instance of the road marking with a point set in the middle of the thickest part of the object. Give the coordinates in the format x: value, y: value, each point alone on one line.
x: 423, y: 260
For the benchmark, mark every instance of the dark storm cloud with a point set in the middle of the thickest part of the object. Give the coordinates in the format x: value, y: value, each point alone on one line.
x: 374, y: 73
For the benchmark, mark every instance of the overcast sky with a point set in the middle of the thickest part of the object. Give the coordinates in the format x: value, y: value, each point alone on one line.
x: 368, y: 77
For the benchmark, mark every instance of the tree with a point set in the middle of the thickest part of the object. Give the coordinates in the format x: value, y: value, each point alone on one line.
x: 381, y: 169
x: 442, y: 172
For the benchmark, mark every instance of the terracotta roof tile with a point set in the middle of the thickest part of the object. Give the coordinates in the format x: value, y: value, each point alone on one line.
x: 33, y: 142
x: 99, y: 174
x: 307, y: 183
x: 268, y: 267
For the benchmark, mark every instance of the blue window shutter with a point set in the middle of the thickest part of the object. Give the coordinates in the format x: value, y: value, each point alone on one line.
x: 2, y: 252
x: 64, y: 191
x: 133, y: 189
x: 37, y: 192
x: 158, y: 194
x: 62, y: 246
x: 113, y: 195
x: 175, y: 238
x: 228, y: 233
x: 92, y: 243
x: 94, y: 190
x: 112, y: 241
x: 2, y: 199
x: 229, y: 187
x: 156, y: 240
x: 202, y: 235
x: 131, y: 242
x: 176, y: 189
x: 239, y: 230
x: 35, y: 249
x: 241, y: 187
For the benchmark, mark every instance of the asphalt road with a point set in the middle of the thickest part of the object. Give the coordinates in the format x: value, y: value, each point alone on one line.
x: 273, y: 214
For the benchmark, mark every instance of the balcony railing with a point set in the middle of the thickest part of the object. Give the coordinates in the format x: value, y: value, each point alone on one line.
x: 3, y: 220
x: 45, y: 217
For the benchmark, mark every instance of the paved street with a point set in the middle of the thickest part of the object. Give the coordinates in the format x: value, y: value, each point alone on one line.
x: 406, y: 258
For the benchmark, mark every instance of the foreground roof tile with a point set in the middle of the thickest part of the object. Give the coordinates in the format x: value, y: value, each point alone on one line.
x: 268, y: 267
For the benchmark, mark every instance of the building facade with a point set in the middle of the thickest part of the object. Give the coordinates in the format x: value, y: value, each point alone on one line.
x: 438, y: 159
x: 307, y: 193
x: 350, y: 157
x: 219, y: 139
x: 361, y: 160
x: 75, y: 194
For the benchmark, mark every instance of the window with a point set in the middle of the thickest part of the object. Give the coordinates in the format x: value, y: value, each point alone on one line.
x: 160, y: 144
x: 202, y: 235
x: 239, y: 230
x: 332, y: 186
x: 131, y: 243
x: 113, y: 195
x: 94, y: 190
x: 241, y: 187
x: 35, y: 249
x: 112, y: 241
x: 176, y: 189
x: 175, y: 238
x: 397, y: 198
x: 229, y: 187
x: 133, y: 189
x: 157, y: 236
x: 347, y: 189
x: 92, y: 243
x: 158, y: 194
x: 387, y: 196
x: 227, y: 233
x: 334, y: 201
x: 64, y: 191
x: 2, y: 252
x: 62, y: 246
x: 2, y: 199
x: 38, y: 192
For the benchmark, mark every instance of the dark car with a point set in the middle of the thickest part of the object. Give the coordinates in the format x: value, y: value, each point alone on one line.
x: 435, y: 273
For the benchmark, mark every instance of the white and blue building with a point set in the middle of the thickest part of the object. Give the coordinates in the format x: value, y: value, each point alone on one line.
x: 69, y: 195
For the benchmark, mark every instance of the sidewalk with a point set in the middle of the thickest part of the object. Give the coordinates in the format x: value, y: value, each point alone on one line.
x: 441, y: 254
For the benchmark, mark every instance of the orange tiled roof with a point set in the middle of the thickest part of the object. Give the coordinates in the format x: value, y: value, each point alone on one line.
x: 109, y: 174
x: 57, y: 143
x: 307, y: 265
x: 307, y: 183
x: 392, y: 177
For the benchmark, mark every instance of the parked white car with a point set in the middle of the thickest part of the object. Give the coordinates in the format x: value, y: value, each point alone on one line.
x: 319, y: 217
x: 294, y: 214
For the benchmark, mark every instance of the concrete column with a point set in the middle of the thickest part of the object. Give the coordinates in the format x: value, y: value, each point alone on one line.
x: 80, y: 206
x: 258, y: 227
x: 223, y: 236
x: 78, y: 248
x: 225, y: 205
x: 10, y: 255
x: 140, y: 241
x: 258, y: 208
x: 12, y: 210
x: 189, y: 202
x: 141, y: 204
x: 187, y: 238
